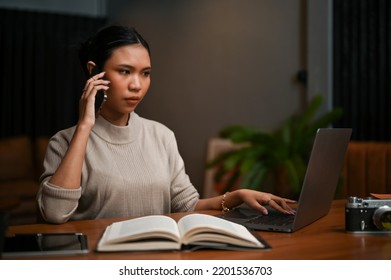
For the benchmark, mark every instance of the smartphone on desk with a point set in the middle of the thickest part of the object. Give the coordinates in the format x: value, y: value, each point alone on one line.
x: 100, y: 97
x: 45, y: 244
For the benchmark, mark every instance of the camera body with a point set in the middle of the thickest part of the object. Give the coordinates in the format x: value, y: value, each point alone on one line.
x: 368, y: 215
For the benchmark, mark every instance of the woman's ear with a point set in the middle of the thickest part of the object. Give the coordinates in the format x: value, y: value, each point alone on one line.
x: 90, y: 66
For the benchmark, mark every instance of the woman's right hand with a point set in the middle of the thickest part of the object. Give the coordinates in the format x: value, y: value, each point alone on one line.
x: 68, y: 173
x: 87, y: 100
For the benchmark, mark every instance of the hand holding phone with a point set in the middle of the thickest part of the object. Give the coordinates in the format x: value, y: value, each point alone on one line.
x: 101, y: 96
x: 100, y: 99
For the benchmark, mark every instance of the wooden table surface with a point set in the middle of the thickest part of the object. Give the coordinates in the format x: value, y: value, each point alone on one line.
x: 323, y: 239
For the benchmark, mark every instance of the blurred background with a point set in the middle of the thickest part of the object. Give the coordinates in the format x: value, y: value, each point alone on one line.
x: 215, y: 63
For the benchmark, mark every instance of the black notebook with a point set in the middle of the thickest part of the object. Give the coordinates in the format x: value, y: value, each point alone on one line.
x: 45, y: 244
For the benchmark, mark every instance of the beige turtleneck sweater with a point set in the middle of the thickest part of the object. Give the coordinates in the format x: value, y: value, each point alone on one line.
x: 131, y: 170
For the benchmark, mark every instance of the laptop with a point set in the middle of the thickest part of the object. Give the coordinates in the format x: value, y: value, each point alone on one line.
x: 317, y: 192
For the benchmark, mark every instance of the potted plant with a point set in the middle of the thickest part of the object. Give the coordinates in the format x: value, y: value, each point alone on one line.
x: 279, y: 158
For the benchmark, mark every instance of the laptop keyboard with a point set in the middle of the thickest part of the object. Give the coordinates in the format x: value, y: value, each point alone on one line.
x: 273, y: 218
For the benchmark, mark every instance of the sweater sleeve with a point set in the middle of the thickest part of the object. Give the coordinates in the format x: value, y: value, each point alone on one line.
x: 56, y: 204
x: 184, y: 195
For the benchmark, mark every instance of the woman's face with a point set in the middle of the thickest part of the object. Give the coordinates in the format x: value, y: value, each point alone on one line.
x: 128, y: 69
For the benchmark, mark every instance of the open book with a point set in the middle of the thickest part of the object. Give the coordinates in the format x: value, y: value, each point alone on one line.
x: 194, y: 231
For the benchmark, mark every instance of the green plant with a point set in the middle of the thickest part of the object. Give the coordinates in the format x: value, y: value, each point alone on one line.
x: 281, y: 154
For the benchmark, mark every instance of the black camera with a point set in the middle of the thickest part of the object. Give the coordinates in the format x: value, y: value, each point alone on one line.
x: 368, y: 215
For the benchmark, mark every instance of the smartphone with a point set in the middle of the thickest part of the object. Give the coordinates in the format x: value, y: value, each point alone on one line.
x: 100, y: 97
x: 45, y: 244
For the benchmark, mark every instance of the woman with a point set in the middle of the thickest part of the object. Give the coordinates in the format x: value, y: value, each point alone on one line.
x: 116, y: 163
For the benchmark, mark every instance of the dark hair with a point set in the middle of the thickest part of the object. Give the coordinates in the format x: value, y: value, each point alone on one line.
x: 100, y: 47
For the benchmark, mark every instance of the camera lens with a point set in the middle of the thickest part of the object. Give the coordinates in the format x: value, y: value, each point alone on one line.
x: 382, y: 218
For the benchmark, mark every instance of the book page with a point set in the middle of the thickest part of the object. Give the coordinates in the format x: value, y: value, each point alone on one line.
x: 207, y: 228
x: 155, y: 226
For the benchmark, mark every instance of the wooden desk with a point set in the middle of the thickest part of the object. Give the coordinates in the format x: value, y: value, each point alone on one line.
x: 324, y: 239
